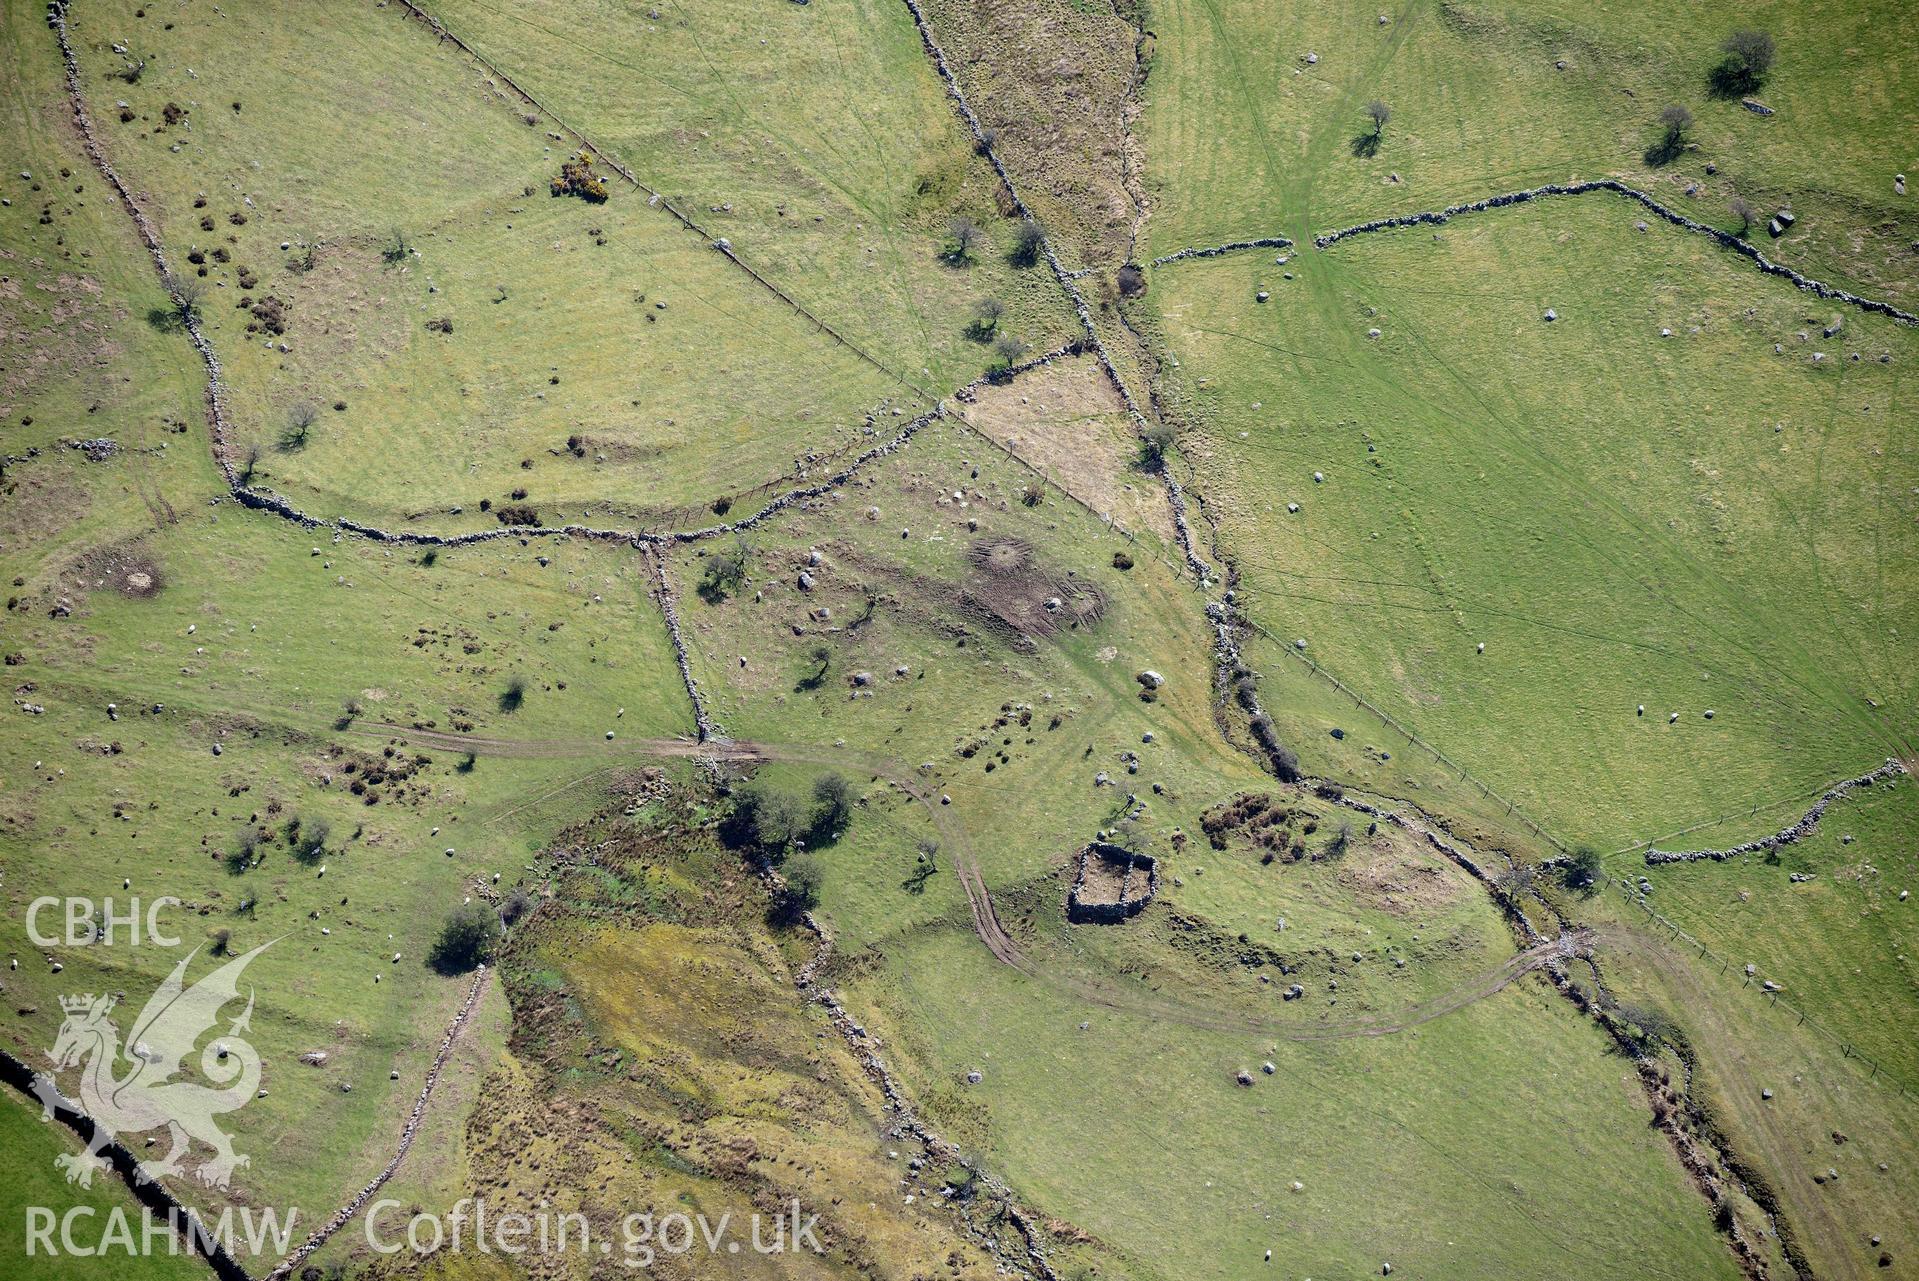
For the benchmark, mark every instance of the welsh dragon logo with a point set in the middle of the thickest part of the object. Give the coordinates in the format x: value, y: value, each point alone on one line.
x: 144, y: 1096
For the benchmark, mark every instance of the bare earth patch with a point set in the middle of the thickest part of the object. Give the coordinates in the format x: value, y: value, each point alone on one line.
x: 1066, y: 422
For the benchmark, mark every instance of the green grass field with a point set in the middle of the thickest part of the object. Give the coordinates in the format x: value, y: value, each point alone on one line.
x: 1245, y: 137
x: 34, y: 1184
x: 1676, y: 536
x: 1639, y: 572
x: 1140, y: 1128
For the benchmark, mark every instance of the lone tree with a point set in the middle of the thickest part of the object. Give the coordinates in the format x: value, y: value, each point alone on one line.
x: 187, y: 292
x: 1582, y: 871
x: 466, y: 940
x: 307, y: 842
x: 725, y: 572
x: 1154, y: 441
x: 514, y: 695
x: 249, y: 463
x: 1379, y: 113
x: 798, y: 894
x: 963, y: 237
x: 765, y: 820
x: 1742, y: 211
x: 1748, y: 58
x: 832, y: 809
x: 398, y: 247
x: 1027, y: 243
x: 1009, y: 349
x: 1674, y: 122
x: 300, y: 420
x: 986, y: 317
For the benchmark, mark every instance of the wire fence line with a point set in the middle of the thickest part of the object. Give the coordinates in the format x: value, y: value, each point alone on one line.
x: 1876, y: 1071
x: 654, y: 196
x: 1485, y: 789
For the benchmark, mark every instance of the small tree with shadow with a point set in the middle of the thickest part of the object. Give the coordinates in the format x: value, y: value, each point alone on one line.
x: 249, y: 463
x: 1154, y: 442
x: 1366, y: 145
x: 245, y: 850
x: 1028, y: 243
x: 986, y: 318
x: 514, y: 695
x: 1007, y: 351
x: 299, y: 428
x: 925, y: 863
x: 765, y: 820
x: 307, y: 842
x: 1746, y: 61
x: 1675, y: 122
x: 822, y: 659
x: 963, y: 239
x: 832, y: 810
x: 1743, y: 211
x: 187, y: 293
x: 797, y: 894
x: 724, y: 572
x: 398, y: 248
x: 1581, y: 872
x: 466, y: 940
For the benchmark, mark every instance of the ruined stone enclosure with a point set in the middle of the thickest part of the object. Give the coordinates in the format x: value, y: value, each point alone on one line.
x: 1113, y: 884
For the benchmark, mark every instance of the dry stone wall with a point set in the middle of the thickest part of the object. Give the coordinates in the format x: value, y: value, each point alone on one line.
x: 1724, y: 238
x: 1798, y: 831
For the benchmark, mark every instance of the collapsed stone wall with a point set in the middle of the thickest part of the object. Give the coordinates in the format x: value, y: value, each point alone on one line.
x: 654, y: 198
x: 1034, y: 1262
x: 1471, y: 866
x: 1794, y: 832
x: 1214, y: 251
x: 669, y: 610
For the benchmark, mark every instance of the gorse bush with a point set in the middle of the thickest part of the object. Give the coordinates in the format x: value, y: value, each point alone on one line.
x: 578, y: 179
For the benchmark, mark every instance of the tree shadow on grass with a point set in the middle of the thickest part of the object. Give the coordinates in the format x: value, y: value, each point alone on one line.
x: 1365, y: 145
x: 1665, y: 150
